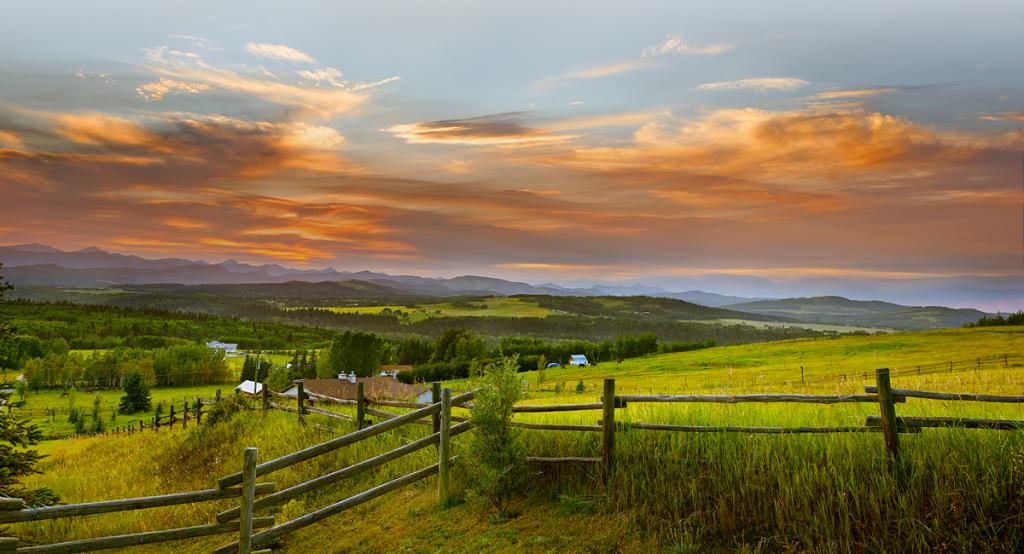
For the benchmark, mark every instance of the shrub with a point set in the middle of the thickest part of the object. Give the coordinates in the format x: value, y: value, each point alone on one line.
x: 496, y: 456
x: 227, y: 408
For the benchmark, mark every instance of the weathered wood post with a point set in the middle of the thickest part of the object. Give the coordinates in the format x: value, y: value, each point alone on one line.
x: 266, y: 398
x: 172, y: 416
x: 184, y: 418
x: 199, y: 410
x: 248, y: 497
x: 608, y: 430
x: 301, y: 399
x: 444, y: 447
x: 435, y: 397
x: 887, y: 413
x: 360, y: 406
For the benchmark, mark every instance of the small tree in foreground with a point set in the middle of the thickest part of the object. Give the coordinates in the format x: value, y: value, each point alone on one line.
x: 497, y: 455
x: 16, y: 434
x: 136, y: 395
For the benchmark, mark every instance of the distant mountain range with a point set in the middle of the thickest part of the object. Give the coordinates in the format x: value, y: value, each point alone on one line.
x: 39, y: 265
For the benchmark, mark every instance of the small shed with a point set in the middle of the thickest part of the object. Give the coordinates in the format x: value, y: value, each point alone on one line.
x: 578, y: 359
x: 251, y: 388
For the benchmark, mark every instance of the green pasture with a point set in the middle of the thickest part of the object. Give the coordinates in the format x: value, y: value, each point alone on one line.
x: 484, y: 307
x: 773, y: 363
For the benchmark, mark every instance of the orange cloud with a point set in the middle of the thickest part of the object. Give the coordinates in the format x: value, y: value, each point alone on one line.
x: 801, y: 145
x: 102, y: 129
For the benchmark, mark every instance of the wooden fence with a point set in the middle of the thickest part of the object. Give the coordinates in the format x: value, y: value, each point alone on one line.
x: 438, y: 416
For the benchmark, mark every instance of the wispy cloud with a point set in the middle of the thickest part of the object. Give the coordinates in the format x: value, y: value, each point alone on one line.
x: 675, y: 44
x: 1002, y: 116
x: 319, y: 101
x: 504, y: 130
x: 278, y: 52
x: 757, y: 83
x: 607, y: 70
x: 843, y: 94
x: 198, y: 41
x: 156, y: 90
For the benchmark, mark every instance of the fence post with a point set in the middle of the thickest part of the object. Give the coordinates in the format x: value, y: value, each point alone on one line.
x: 184, y: 419
x: 172, y: 416
x: 360, y: 406
x: 248, y: 497
x: 218, y: 396
x: 301, y: 400
x: 435, y: 397
x: 199, y: 410
x: 443, y: 447
x: 608, y: 429
x: 887, y: 413
x: 266, y: 398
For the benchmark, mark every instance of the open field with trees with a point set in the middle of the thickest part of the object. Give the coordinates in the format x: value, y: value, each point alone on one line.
x: 677, y: 492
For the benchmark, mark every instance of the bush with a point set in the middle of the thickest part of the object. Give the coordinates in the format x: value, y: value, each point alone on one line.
x: 227, y: 408
x: 496, y: 456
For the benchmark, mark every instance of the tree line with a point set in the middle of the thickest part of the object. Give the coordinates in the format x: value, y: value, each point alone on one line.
x: 188, y: 364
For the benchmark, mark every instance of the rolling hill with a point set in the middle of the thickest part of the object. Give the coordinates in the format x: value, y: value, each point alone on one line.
x: 864, y: 313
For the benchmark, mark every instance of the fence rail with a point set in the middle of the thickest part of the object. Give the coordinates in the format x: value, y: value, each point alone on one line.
x: 443, y: 431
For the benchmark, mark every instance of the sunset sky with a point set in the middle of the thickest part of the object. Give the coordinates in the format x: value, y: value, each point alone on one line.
x: 838, y: 145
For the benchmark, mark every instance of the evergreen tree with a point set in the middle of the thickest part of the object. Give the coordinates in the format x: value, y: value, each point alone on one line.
x: 248, y: 369
x: 136, y: 395
x: 15, y: 435
x: 310, y: 371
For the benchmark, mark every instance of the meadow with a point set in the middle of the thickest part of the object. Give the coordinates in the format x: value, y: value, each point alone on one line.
x: 38, y: 405
x: 496, y: 306
x: 671, y: 492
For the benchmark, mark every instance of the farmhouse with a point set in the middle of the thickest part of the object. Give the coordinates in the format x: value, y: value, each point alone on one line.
x: 578, y: 359
x: 375, y: 388
x: 227, y: 347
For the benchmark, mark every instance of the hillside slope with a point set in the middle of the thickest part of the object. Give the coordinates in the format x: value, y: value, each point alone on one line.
x: 864, y: 313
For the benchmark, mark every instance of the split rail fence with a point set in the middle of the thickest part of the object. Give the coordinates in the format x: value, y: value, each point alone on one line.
x: 438, y: 416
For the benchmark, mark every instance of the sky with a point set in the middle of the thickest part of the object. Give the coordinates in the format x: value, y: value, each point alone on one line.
x: 861, y: 148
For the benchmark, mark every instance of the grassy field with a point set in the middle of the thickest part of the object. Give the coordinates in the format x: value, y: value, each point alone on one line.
x: 754, y: 366
x: 491, y: 306
x: 671, y: 492
x: 36, y: 404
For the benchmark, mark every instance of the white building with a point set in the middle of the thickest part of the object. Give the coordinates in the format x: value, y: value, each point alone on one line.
x: 249, y: 387
x: 227, y: 347
x: 578, y: 359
